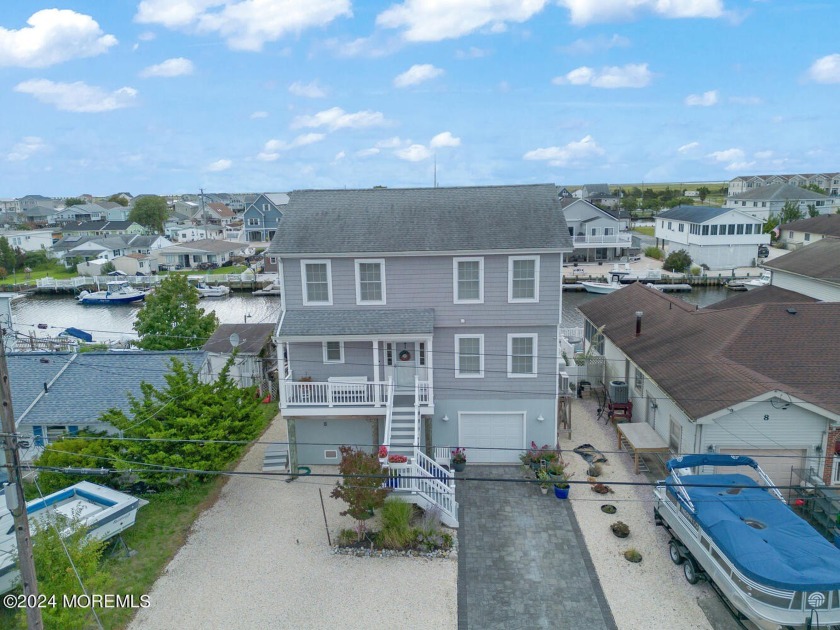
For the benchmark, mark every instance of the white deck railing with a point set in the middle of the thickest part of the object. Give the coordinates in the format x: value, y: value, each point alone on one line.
x: 612, y: 239
x: 334, y: 394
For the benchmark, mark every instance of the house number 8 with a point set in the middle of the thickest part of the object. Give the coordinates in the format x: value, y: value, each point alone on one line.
x: 766, y: 417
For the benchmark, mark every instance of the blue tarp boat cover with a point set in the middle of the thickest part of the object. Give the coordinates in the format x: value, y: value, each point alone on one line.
x: 79, y: 334
x: 710, y: 459
x: 760, y: 535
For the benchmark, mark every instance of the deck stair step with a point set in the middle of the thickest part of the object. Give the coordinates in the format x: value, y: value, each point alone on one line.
x: 276, y: 458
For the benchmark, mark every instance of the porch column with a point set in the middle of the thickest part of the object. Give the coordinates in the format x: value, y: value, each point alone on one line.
x: 377, y: 395
x: 430, y: 375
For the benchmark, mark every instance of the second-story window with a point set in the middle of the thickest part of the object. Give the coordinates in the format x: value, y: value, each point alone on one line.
x: 523, y: 279
x: 317, y: 283
x: 522, y: 355
x: 370, y: 281
x: 469, y: 362
x: 468, y: 280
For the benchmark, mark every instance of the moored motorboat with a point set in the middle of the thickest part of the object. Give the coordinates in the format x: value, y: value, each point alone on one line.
x: 102, y: 511
x: 761, y: 281
x: 602, y: 287
x: 116, y: 292
x: 771, y: 566
x: 206, y: 290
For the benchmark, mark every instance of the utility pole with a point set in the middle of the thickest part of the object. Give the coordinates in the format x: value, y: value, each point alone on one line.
x: 15, y: 499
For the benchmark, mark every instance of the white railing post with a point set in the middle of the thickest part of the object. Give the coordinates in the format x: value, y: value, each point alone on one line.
x: 389, y: 410
x: 416, y: 411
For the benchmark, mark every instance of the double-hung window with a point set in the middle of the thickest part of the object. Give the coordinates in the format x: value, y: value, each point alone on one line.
x: 469, y: 356
x: 370, y: 281
x: 639, y: 381
x: 522, y: 356
x: 468, y: 280
x: 523, y: 279
x: 316, y: 278
x: 333, y: 352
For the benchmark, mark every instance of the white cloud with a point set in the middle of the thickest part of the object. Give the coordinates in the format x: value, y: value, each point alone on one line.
x: 219, y: 165
x: 580, y: 151
x: 336, y: 118
x: 586, y: 11
x: 367, y: 152
x: 339, y: 156
x: 53, y: 36
x: 26, y: 148
x: 267, y: 156
x: 307, y: 90
x: 244, y: 24
x: 391, y: 143
x: 727, y: 155
x: 444, y: 139
x: 300, y: 141
x: 632, y: 75
x: 686, y: 148
x: 595, y: 44
x: 472, y: 52
x: 146, y: 37
x: 257, y: 115
x: 706, y: 99
x: 739, y: 166
x: 432, y: 20
x: 371, y: 47
x: 414, y: 153
x: 175, y: 67
x: 78, y: 96
x: 417, y: 74
x: 825, y: 69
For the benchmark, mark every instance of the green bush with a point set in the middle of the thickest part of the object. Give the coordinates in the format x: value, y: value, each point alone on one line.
x: 654, y: 252
x: 696, y: 271
x: 396, y: 532
x: 677, y: 261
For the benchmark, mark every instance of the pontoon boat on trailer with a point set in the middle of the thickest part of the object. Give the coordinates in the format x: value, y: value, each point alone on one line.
x: 771, y: 565
x: 103, y: 511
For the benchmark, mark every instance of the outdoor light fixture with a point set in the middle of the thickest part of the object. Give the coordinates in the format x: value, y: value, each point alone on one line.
x: 710, y: 448
x: 445, y: 418
x: 540, y: 418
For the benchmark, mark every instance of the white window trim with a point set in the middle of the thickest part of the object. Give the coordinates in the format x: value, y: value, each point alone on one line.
x: 303, y: 264
x: 455, y: 262
x: 480, y: 373
x: 835, y: 471
x: 340, y: 352
x: 536, y: 297
x: 381, y: 263
x: 510, y: 339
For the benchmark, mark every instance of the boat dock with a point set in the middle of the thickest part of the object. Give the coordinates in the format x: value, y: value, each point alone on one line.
x: 236, y: 282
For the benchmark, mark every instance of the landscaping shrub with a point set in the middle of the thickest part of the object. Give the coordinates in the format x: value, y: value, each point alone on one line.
x: 397, y: 532
x: 696, y: 271
x: 361, y: 486
x: 654, y: 252
x: 677, y: 261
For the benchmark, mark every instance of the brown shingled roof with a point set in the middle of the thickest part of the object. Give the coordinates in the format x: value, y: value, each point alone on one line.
x: 820, y: 260
x: 710, y: 359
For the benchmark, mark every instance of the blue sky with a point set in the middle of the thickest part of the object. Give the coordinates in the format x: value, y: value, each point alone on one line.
x: 166, y: 96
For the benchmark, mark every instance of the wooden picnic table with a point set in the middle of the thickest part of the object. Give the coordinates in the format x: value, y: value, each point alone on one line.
x: 641, y: 438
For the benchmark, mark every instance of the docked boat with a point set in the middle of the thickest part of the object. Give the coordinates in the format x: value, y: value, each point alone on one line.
x: 771, y: 566
x: 205, y: 290
x: 104, y: 512
x: 116, y: 292
x: 271, y: 289
x: 602, y: 287
x: 761, y: 281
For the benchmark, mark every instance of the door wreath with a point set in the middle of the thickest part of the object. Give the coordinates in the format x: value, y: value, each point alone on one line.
x: 405, y: 355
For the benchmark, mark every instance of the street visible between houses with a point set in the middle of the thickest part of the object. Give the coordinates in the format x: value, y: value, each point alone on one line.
x: 522, y: 561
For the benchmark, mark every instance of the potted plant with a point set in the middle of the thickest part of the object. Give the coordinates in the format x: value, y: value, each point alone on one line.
x: 459, y: 459
x: 544, y: 479
x: 383, y: 454
x: 620, y: 529
x: 305, y: 390
x: 562, y: 487
x: 397, y: 459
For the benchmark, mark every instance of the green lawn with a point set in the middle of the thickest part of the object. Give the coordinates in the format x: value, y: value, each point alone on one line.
x: 19, y: 277
x: 647, y: 231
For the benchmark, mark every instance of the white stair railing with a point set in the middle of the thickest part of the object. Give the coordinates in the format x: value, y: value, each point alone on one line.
x: 416, y: 412
x: 389, y: 413
x: 433, y: 469
x: 419, y: 487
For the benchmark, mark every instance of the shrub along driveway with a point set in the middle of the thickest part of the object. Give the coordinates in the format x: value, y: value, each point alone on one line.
x: 522, y: 561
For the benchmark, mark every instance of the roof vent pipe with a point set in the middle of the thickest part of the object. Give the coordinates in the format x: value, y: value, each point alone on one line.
x: 639, y: 322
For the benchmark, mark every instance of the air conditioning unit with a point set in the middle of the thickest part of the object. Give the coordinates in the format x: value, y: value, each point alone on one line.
x: 618, y: 392
x: 563, y: 383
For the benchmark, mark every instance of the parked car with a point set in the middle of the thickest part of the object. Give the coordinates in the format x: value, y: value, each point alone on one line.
x: 207, y: 265
x: 763, y: 251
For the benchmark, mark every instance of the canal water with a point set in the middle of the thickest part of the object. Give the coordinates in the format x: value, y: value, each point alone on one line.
x: 114, y: 323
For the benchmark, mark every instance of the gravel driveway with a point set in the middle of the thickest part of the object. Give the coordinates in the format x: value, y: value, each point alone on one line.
x: 259, y: 559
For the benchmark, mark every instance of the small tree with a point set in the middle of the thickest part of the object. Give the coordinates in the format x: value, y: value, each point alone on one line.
x: 171, y: 319
x: 117, y: 198
x: 677, y: 261
x: 789, y: 213
x: 151, y: 212
x: 361, y: 486
x: 813, y: 211
x: 703, y: 192
x: 74, y: 201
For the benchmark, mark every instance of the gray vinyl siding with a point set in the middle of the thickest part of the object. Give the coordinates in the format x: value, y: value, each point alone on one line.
x: 315, y: 435
x: 307, y: 359
x: 426, y: 282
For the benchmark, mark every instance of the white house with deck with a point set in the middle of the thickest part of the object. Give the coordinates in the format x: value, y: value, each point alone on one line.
x: 597, y: 234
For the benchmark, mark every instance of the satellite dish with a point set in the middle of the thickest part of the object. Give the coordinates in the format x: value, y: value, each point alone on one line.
x: 234, y: 340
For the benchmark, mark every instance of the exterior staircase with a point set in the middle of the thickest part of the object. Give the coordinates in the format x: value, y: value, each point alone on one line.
x: 403, y: 436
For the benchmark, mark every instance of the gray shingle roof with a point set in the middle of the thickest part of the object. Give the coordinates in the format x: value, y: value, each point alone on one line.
x: 329, y: 322
x: 825, y: 224
x: 693, y: 214
x: 820, y: 260
x: 422, y: 220
x: 252, y: 338
x: 777, y: 192
x: 90, y: 384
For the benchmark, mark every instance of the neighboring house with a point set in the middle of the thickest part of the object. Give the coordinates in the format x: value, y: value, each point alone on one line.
x: 93, y: 267
x: 40, y: 215
x: 200, y: 233
x: 29, y: 240
x: 704, y: 380
x: 830, y: 182
x: 81, y: 213
x: 721, y: 238
x: 32, y: 201
x: 115, y: 211
x: 262, y: 216
x: 597, y: 234
x: 136, y: 264
x: 187, y: 208
x: 60, y: 393
x: 174, y: 224
x: 452, y: 295
x: 598, y: 194
x: 104, y: 228
x: 219, y: 214
x: 806, y: 231
x: 199, y: 253
x: 769, y: 200
x: 813, y: 271
x: 9, y: 205
x: 255, y: 363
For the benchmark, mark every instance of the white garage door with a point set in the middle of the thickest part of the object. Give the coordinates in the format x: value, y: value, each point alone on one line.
x: 492, y: 438
x: 775, y: 462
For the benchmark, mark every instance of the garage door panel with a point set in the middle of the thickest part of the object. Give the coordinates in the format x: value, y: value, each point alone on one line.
x: 495, y: 437
x: 777, y: 463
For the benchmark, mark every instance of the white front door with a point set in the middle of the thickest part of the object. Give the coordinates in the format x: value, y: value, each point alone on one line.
x: 405, y: 363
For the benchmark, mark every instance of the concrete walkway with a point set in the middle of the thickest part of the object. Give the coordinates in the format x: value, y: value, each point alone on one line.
x: 522, y: 561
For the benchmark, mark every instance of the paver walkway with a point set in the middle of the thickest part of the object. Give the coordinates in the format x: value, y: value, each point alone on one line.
x: 522, y: 562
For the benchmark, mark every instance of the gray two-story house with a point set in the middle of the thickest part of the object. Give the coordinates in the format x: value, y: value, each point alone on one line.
x: 262, y: 215
x: 421, y: 318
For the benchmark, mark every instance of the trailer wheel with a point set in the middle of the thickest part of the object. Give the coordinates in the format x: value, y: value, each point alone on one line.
x: 690, y: 571
x: 674, y: 553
